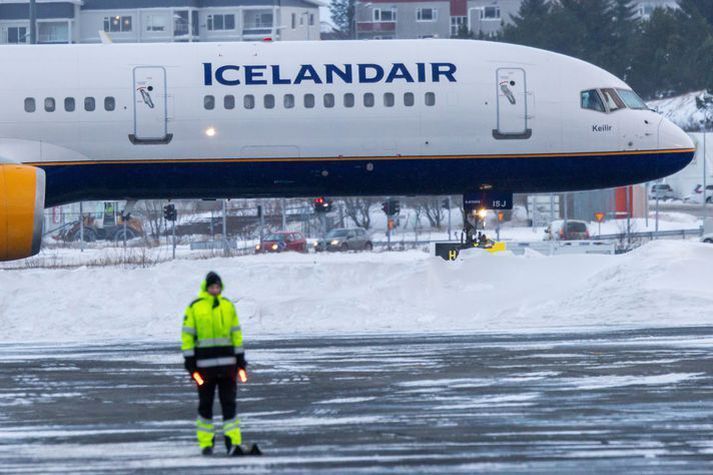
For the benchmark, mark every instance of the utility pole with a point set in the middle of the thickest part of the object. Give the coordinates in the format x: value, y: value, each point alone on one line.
x: 81, y: 226
x: 173, y: 232
x: 628, y: 216
x: 33, y: 22
x: 284, y: 215
x: 225, y: 229
x: 449, y: 217
x: 705, y: 130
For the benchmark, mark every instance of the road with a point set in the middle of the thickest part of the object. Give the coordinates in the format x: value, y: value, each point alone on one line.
x: 629, y: 401
x: 696, y: 210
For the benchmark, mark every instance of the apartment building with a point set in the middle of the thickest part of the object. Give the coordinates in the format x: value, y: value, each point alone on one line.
x: 407, y: 19
x: 138, y: 21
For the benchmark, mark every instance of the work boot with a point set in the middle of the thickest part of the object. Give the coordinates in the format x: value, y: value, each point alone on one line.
x: 235, y: 451
x: 207, y: 451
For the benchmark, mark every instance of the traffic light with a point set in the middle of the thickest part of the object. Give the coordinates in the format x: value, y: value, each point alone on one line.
x: 170, y: 213
x: 394, y: 206
x: 322, y: 205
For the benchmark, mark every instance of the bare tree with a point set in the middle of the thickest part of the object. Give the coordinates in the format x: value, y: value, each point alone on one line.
x: 434, y: 212
x: 152, y: 211
x: 358, y: 210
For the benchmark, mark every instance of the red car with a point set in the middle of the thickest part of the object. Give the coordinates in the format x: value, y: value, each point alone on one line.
x: 281, y: 241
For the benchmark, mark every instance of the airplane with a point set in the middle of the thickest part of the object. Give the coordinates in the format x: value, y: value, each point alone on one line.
x: 291, y: 119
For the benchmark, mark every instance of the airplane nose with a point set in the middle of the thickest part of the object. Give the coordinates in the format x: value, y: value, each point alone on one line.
x: 679, y: 148
x: 672, y: 137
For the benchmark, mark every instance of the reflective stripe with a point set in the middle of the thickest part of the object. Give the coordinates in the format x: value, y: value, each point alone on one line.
x: 189, y: 330
x: 235, y: 329
x: 190, y: 352
x: 230, y: 421
x: 239, y: 350
x: 203, y: 420
x: 204, y: 429
x: 214, y: 342
x: 210, y: 362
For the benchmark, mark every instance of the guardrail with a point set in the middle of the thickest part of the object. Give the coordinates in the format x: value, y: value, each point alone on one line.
x: 680, y: 233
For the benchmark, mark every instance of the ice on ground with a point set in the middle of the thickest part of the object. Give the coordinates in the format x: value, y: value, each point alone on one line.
x: 662, y: 283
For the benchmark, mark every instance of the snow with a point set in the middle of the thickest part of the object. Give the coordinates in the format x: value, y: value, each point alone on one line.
x: 662, y: 283
x: 681, y: 110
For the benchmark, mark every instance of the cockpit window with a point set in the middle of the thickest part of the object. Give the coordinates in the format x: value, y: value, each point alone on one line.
x: 590, y: 100
x: 631, y: 99
x: 611, y: 99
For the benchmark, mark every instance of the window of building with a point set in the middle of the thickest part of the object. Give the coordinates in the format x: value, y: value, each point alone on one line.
x: 117, y: 24
x: 430, y: 99
x: 249, y: 101
x: 490, y: 13
x: 181, y: 23
x: 309, y: 101
x: 17, y: 34
x: 229, y: 102
x: 69, y: 104
x: 209, y: 102
x: 156, y: 22
x: 50, y: 105
x: 109, y: 104
x: 426, y: 14
x: 329, y: 100
x: 384, y: 14
x: 409, y: 99
x: 53, y: 32
x: 90, y: 104
x: 289, y: 101
x: 30, y: 105
x: 294, y: 21
x: 349, y: 100
x: 221, y: 22
x: 368, y: 99
x: 458, y: 23
x: 389, y: 99
x: 311, y: 19
x: 269, y: 101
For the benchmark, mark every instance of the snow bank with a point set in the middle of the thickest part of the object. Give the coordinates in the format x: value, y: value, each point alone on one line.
x: 682, y: 110
x: 662, y: 283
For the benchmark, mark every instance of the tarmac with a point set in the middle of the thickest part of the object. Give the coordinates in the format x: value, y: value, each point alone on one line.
x: 626, y: 401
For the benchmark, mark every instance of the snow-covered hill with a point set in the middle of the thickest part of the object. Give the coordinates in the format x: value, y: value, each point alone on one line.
x: 662, y: 283
x: 682, y: 110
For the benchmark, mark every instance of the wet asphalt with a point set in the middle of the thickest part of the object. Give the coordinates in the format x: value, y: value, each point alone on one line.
x: 627, y: 401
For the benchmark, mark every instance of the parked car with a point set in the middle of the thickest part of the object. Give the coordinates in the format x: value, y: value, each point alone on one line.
x: 697, y: 195
x: 345, y: 239
x: 663, y: 191
x: 575, y: 230
x: 282, y: 241
x: 707, y: 238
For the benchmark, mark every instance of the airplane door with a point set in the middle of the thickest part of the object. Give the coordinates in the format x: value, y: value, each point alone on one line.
x: 511, y: 92
x: 150, y: 106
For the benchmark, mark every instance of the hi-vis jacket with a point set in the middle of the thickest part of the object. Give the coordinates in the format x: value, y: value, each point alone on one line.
x: 211, y: 331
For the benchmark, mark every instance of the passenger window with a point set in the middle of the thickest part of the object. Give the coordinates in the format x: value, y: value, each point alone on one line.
x: 30, y: 105
x: 289, y: 101
x: 90, y: 104
x: 209, y: 102
x: 49, y: 104
x: 430, y: 99
x: 249, y: 101
x: 368, y: 99
x: 109, y: 104
x: 389, y: 99
x: 269, y: 101
x: 309, y: 101
x: 329, y: 100
x: 590, y: 100
x: 612, y: 100
x: 229, y: 102
x: 409, y: 99
x: 69, y: 104
x: 349, y: 100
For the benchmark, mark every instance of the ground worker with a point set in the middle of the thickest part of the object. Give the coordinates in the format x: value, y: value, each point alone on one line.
x: 212, y: 345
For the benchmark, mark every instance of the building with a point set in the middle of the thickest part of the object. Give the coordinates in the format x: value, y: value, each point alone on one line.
x: 139, y: 21
x: 408, y: 19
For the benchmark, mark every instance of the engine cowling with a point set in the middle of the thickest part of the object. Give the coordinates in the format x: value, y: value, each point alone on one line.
x: 22, y: 203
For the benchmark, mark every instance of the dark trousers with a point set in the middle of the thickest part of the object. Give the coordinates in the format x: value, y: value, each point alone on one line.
x: 224, y: 377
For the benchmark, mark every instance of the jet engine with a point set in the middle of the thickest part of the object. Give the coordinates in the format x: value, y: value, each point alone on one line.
x: 22, y: 203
